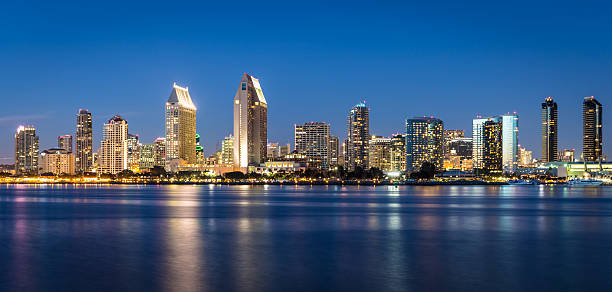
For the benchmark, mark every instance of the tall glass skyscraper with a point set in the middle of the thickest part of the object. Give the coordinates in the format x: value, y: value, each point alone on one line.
x: 492, y: 133
x: 250, y: 124
x: 180, y: 129
x: 358, y: 137
x: 591, y: 129
x: 510, y: 155
x: 424, y: 142
x: 84, y: 142
x: 65, y: 142
x: 550, y: 122
x: 26, y: 150
x: 398, y: 152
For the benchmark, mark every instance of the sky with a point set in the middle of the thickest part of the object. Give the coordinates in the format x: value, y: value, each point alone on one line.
x: 315, y: 60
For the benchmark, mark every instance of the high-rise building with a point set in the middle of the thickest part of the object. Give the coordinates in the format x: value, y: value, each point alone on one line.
x: 334, y: 150
x: 509, y: 140
x: 146, y: 156
x: 379, y: 153
x: 26, y: 150
x: 227, y: 151
x: 398, y: 152
x: 492, y: 145
x: 250, y: 124
x: 273, y: 150
x: 133, y: 161
x: 65, y: 142
x: 566, y: 155
x: 284, y: 149
x: 84, y: 142
x: 180, y: 129
x: 591, y: 129
x: 312, y: 140
x: 160, y: 152
x: 114, y: 150
x: 358, y: 137
x: 550, y: 122
x: 57, y: 161
x: 424, y: 142
x: 459, y: 151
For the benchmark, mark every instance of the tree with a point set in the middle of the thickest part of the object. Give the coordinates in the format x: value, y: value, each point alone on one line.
x: 235, y: 175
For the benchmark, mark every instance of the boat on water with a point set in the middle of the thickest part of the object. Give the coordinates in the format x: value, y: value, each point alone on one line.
x: 519, y: 182
x: 584, y: 182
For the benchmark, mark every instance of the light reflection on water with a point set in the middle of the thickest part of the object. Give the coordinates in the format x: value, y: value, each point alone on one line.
x: 245, y: 238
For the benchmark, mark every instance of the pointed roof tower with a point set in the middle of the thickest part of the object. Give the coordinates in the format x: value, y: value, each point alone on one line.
x: 181, y: 96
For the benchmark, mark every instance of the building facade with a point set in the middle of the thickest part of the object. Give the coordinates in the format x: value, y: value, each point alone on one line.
x: 424, y: 142
x: 84, y: 142
x: 591, y: 129
x: 334, y: 150
x: 133, y: 152
x: 146, y: 156
x: 26, y: 150
x: 379, y: 153
x: 358, y: 137
x: 250, y: 124
x: 567, y: 155
x: 227, y: 151
x: 160, y: 151
x: 180, y: 129
x: 113, y: 156
x: 550, y: 123
x: 312, y: 140
x: 492, y: 159
x: 57, y: 161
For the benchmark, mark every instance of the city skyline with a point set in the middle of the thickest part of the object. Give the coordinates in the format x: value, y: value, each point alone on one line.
x: 467, y: 68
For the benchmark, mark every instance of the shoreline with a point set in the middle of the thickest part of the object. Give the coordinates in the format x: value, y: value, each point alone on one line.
x: 346, y: 183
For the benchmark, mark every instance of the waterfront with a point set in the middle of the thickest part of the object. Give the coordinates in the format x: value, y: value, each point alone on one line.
x: 305, y: 238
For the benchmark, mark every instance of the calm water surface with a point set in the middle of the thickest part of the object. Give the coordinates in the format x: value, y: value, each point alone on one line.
x: 302, y: 238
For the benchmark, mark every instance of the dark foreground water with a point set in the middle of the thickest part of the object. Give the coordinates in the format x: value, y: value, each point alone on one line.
x: 301, y: 238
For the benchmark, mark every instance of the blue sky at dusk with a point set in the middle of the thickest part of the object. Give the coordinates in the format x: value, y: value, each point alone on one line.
x: 453, y: 60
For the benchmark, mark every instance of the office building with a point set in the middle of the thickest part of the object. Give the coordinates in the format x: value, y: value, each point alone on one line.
x: 379, y: 153
x: 509, y: 140
x: 250, y: 124
x: 424, y: 142
x: 200, y: 159
x: 227, y: 151
x: 550, y: 123
x: 358, y: 137
x: 180, y: 129
x: 57, y: 161
x: 26, y: 150
x: 65, y: 142
x: 566, y: 155
x: 591, y: 129
x: 113, y: 156
x: 525, y: 157
x: 312, y: 140
x: 450, y: 135
x: 84, y: 142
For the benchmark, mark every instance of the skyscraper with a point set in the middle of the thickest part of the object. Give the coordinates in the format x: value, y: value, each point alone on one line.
x: 379, y: 153
x: 65, y: 142
x: 424, y: 142
x: 146, y: 156
x: 398, y: 152
x: 180, y: 129
x: 84, y: 142
x: 250, y: 124
x: 133, y: 153
x: 200, y: 159
x: 492, y: 145
x: 510, y: 155
x: 358, y: 136
x: 57, y: 161
x: 114, y: 150
x: 26, y: 150
x: 550, y: 122
x: 312, y: 140
x: 591, y: 129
